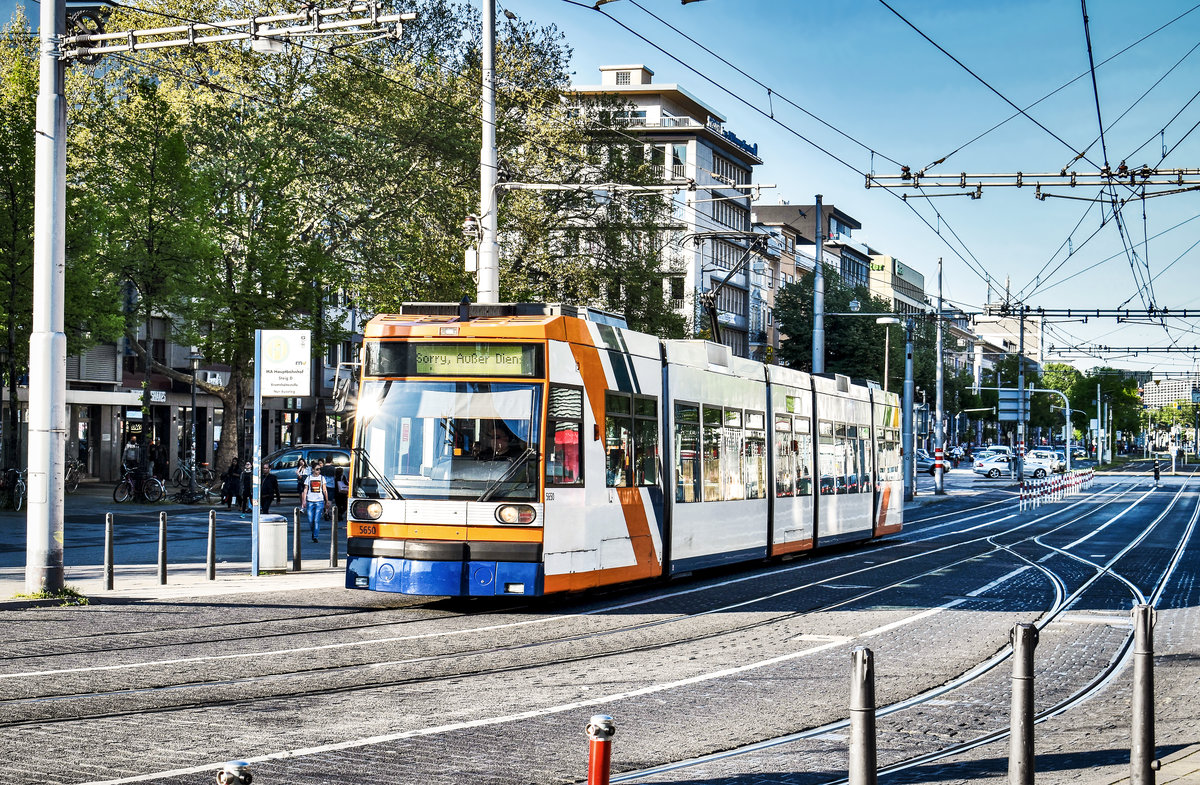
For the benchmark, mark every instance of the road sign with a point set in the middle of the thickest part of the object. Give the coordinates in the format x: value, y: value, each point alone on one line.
x: 1195, y: 395
x: 1009, y: 400
x: 286, y: 363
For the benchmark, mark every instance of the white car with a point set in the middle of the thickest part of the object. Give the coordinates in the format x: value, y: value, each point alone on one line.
x: 1046, y: 458
x: 991, y: 464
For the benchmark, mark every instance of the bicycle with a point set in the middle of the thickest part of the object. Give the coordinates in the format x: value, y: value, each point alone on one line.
x: 14, y: 488
x: 202, y: 493
x: 137, y: 484
x: 74, y: 472
x: 184, y: 472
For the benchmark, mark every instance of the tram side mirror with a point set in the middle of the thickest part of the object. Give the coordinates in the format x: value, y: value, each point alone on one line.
x: 596, y: 432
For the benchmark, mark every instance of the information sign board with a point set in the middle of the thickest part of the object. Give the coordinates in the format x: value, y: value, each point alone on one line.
x: 286, y: 363
x: 1009, y: 405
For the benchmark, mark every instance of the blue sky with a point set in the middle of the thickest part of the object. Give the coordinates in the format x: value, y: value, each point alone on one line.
x: 862, y: 69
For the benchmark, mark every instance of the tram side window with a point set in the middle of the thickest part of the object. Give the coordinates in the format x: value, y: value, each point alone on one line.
x: 804, y: 457
x: 618, y: 439
x: 687, y: 453
x: 712, y: 453
x: 564, y: 422
x: 867, y: 477
x: 732, y: 458
x: 645, y: 440
x: 785, y: 450
x: 756, y: 455
x: 829, y: 465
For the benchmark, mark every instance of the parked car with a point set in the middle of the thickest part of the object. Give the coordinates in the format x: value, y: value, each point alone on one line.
x: 1048, y: 458
x: 1079, y: 452
x: 283, y: 462
x: 924, y: 462
x: 992, y: 465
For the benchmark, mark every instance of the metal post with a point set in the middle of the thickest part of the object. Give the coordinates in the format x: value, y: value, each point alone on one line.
x: 1099, y: 425
x: 939, y: 434
x: 600, y: 731
x: 863, y: 770
x: 256, y: 459
x: 296, y: 539
x: 887, y: 350
x: 1142, y: 763
x: 1020, y: 747
x: 108, y: 551
x: 1021, y: 413
x: 818, y: 336
x: 333, y: 535
x: 162, y: 548
x: 47, y: 341
x: 906, y: 426
x: 489, y: 249
x: 211, y: 572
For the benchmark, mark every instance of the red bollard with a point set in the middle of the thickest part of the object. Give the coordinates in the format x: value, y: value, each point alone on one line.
x: 600, y: 732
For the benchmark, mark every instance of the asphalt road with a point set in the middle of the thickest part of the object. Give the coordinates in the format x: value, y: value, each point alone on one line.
x: 341, y: 686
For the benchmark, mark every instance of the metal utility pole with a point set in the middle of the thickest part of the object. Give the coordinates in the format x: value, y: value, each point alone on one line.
x: 818, y: 341
x: 1021, y: 413
x: 1099, y: 425
x: 489, y: 247
x: 906, y: 425
x: 939, y: 434
x: 48, y: 342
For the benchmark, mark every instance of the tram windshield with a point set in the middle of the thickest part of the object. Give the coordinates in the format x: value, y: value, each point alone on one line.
x: 475, y: 441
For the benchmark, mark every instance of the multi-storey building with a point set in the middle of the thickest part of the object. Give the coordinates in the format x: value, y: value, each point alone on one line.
x: 898, y: 283
x: 1165, y: 392
x: 688, y: 139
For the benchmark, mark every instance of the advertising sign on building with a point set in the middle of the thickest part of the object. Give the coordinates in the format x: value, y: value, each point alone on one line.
x: 286, y: 362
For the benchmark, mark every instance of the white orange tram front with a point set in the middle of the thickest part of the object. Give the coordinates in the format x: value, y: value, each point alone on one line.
x: 538, y: 449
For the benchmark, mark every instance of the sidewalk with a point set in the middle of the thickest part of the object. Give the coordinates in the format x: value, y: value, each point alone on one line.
x: 1181, y: 768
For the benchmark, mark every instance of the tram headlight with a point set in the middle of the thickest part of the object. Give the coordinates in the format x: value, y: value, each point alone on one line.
x: 364, y: 509
x: 515, y: 513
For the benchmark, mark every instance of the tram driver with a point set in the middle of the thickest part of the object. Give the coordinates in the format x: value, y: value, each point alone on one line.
x: 500, y: 446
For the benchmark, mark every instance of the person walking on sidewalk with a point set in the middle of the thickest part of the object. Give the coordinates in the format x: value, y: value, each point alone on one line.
x: 313, y: 499
x: 268, y: 490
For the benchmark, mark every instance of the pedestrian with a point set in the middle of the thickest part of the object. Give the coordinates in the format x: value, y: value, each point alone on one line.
x: 313, y: 498
x: 1156, y: 474
x: 158, y: 459
x: 131, y: 455
x: 230, y: 485
x: 246, y: 488
x: 302, y: 472
x: 268, y: 490
x: 341, y: 491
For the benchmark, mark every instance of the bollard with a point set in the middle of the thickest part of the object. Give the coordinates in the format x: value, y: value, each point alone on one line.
x: 235, y: 772
x: 1020, y: 744
x: 296, y: 539
x: 211, y: 571
x: 108, y: 550
x: 333, y: 537
x: 863, y: 770
x: 600, y: 731
x: 162, y: 548
x: 1142, y: 763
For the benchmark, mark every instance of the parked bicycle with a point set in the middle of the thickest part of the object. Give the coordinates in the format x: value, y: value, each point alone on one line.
x: 13, y: 487
x: 183, y: 475
x: 138, y: 485
x: 74, y: 472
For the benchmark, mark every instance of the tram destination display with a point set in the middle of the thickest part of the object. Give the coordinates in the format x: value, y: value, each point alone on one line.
x: 454, y: 359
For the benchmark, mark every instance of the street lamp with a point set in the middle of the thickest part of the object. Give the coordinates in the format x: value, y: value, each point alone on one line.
x: 195, y: 357
x: 887, y: 322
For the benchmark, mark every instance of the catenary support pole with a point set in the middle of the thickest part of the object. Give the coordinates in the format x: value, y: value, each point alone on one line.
x: 906, y: 426
x: 818, y: 339
x: 600, y: 731
x: 1021, y: 413
x: 1142, y: 763
x: 333, y: 535
x: 939, y: 431
x: 47, y: 341
x: 489, y: 248
x: 1020, y: 745
x: 863, y: 770
x: 108, y: 551
x: 162, y: 548
x: 211, y: 561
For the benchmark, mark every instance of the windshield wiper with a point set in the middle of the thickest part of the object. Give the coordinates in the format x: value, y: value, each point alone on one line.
x: 517, y: 463
x: 375, y: 474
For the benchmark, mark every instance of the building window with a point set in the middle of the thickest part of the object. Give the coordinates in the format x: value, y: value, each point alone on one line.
x: 676, y: 289
x: 735, y: 216
x: 731, y: 299
x: 623, y: 77
x: 728, y: 172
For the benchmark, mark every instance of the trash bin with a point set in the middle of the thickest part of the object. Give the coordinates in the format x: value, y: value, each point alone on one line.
x: 272, y: 542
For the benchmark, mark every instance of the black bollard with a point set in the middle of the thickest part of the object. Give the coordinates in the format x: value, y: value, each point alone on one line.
x: 1020, y: 744
x: 1142, y: 763
x: 211, y: 570
x: 333, y: 537
x: 863, y: 770
x: 108, y: 550
x: 162, y: 548
x: 296, y: 540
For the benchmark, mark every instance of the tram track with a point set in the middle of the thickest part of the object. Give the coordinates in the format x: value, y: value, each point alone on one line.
x: 1097, y: 683
x: 359, y: 667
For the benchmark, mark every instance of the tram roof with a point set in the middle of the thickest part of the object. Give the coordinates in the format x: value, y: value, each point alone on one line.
x: 501, y: 320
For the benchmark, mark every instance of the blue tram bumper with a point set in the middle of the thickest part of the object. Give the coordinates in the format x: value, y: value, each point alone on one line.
x: 467, y: 570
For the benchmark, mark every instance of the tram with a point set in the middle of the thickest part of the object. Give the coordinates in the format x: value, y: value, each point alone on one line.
x: 534, y: 449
